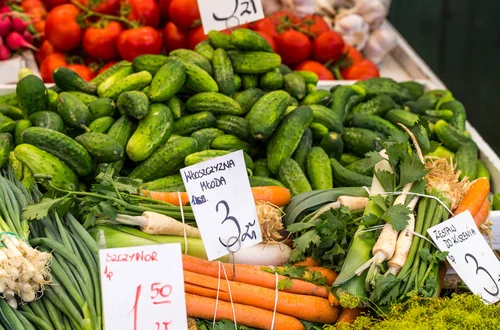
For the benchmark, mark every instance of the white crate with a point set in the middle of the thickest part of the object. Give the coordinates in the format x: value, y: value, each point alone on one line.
x: 9, y: 69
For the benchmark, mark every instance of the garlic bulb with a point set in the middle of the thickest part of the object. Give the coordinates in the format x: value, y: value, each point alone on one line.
x: 372, y: 11
x: 271, y: 6
x: 305, y: 7
x: 353, y: 29
x: 381, y: 42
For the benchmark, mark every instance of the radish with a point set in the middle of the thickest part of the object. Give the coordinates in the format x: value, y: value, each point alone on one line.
x: 4, y: 9
x: 19, y: 25
x: 15, y: 41
x: 4, y: 53
x: 5, y: 25
x: 28, y: 37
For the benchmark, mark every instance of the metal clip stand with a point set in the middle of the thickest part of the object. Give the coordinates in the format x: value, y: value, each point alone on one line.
x: 232, y: 252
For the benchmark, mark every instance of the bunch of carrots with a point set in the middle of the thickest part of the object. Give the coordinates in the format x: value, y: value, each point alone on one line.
x: 476, y: 201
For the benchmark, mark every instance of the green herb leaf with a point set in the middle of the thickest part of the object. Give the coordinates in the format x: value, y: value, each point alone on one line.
x: 303, y: 242
x: 380, y: 201
x: 386, y: 179
x: 398, y: 216
x: 41, y: 210
x: 411, y: 169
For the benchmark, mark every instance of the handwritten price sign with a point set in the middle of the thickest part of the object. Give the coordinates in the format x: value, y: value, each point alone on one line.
x: 223, y: 204
x: 223, y: 14
x: 143, y: 288
x: 469, y: 254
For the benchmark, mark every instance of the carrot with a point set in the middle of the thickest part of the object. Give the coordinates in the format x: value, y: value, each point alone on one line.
x: 349, y: 315
x: 307, y: 262
x: 330, y: 275
x: 203, y: 307
x: 482, y: 214
x: 205, y: 292
x: 475, y: 197
x: 308, y: 308
x: 251, y: 275
x: 333, y: 300
x: 278, y: 196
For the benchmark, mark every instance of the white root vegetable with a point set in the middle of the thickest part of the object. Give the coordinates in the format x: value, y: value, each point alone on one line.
x: 159, y: 224
x: 383, y: 165
x: 353, y: 203
x: 276, y: 254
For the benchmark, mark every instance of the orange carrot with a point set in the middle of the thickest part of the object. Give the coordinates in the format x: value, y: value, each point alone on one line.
x: 483, y: 213
x: 333, y: 300
x: 278, y: 196
x: 205, y: 292
x: 308, y: 308
x: 475, y: 197
x: 330, y: 275
x: 307, y: 262
x: 349, y: 315
x: 203, y: 307
x: 251, y: 275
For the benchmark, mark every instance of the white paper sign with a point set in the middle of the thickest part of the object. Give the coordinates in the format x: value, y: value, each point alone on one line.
x: 223, y: 14
x: 143, y: 288
x: 469, y: 254
x: 223, y: 204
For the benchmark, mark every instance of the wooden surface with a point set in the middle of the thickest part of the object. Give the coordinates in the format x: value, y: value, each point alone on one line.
x: 460, y: 41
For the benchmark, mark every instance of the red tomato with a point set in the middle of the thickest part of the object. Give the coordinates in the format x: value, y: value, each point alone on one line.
x: 269, y: 39
x: 285, y: 16
x: 109, y: 7
x: 329, y: 46
x: 164, y: 5
x: 49, y: 4
x: 62, y: 29
x: 49, y: 64
x: 175, y: 38
x: 363, y: 70
x: 353, y: 53
x: 105, y: 67
x: 145, y: 12
x: 40, y: 26
x: 184, y: 13
x: 101, y: 42
x: 293, y: 46
x: 316, y: 67
x: 35, y: 8
x: 82, y: 70
x: 45, y: 50
x: 267, y: 25
x: 196, y: 36
x: 315, y: 24
x: 135, y: 42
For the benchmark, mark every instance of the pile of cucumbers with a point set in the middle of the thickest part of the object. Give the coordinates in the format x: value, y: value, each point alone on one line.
x: 149, y: 118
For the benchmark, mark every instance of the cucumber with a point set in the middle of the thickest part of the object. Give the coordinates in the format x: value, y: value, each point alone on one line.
x: 12, y: 112
x: 149, y: 62
x: 320, y: 97
x: 459, y: 115
x: 344, y: 98
x: 47, y: 119
x: 428, y: 101
x: 32, y: 96
x: 189, y: 124
x: 380, y: 86
x: 302, y: 150
x: 293, y: 178
x: 113, y: 79
x: 204, y: 48
x: 415, y: 89
x: 319, y: 131
x: 193, y: 57
x: 246, y: 39
x: 134, y: 104
x: 167, y: 82
x: 293, y: 102
x: 360, y: 167
x: 287, y: 137
x: 310, y: 77
x: 122, y: 130
x: 85, y: 98
x: 102, y: 107
x: 176, y: 106
x: 6, y: 146
x: 9, y: 99
x: 434, y: 115
x: 311, y: 88
x: 466, y: 159
x: 247, y: 98
x: 260, y: 168
x: 152, y: 132
x: 171, y: 183
x: 237, y: 82
x: 21, y: 126
x: 333, y: 145
x: 272, y: 80
x: 234, y: 125
x: 202, y: 156
x: 249, y: 81
x: 377, y: 106
x: 253, y: 62
x: 223, y: 72
x: 342, y: 177
x: 266, y: 114
x: 284, y: 69
x: 347, y: 159
x: 482, y: 170
x: 16, y: 166
x: 220, y: 40
x: 295, y: 85
x: 205, y: 136
x: 197, y: 79
x: 360, y: 140
x: 68, y: 80
x: 319, y: 171
x: 53, y: 96
x: 134, y: 82
x: 213, y: 102
x: 401, y: 117
x: 166, y: 160
x: 110, y: 71
x: 229, y: 142
x: 102, y: 125
x: 73, y: 112
x: 103, y: 147
x: 7, y: 125
x: 442, y: 152
x: 451, y: 137
x: 327, y: 118
x: 61, y: 146
x: 373, y: 123
x: 258, y: 181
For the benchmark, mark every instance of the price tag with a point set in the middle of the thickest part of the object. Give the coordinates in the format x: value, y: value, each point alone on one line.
x: 223, y: 14
x: 469, y: 254
x: 223, y: 204
x: 143, y: 288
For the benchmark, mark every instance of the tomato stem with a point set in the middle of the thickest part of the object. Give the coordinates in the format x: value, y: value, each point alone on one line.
x: 90, y: 12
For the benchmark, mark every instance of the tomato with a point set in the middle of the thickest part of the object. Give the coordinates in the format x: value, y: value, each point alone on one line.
x: 45, y: 50
x: 35, y: 8
x: 267, y: 25
x: 184, y: 13
x: 285, y: 16
x: 49, y: 64
x: 82, y: 70
x: 146, y: 12
x: 40, y: 26
x: 316, y: 67
x: 269, y: 39
x: 62, y: 29
x: 315, y: 24
x: 135, y: 42
x: 164, y: 5
x: 106, y: 66
x: 109, y: 7
x: 293, y: 46
x: 49, y: 4
x: 329, y: 46
x: 196, y: 36
x: 363, y: 70
x: 175, y: 38
x: 100, y: 42
x: 353, y: 53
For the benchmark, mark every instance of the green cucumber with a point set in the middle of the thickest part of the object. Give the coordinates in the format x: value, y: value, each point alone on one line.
x: 205, y: 136
x: 47, y: 119
x: 102, y: 107
x: 171, y: 183
x: 428, y: 101
x: 7, y: 125
x: 16, y: 166
x: 259, y: 181
x: 272, y: 80
x: 327, y: 118
x: 6, y: 146
x: 482, y: 170
x: 202, y: 156
x: 442, y: 152
x: 134, y: 104
x: 193, y: 57
x: 380, y: 86
x: 85, y: 98
x: 149, y: 62
x: 12, y: 112
x: 261, y: 169
x: 32, y: 96
x: 284, y: 69
x: 253, y: 62
x: 9, y: 99
x: 229, y: 142
x: 333, y: 145
x: 293, y: 178
x: 249, y: 81
x: 197, y: 79
x: 311, y: 88
x: 347, y: 159
x: 342, y: 177
x: 373, y: 123
x: 319, y: 171
x: 404, y: 117
x: 246, y: 39
x: 204, y: 48
x: 223, y: 72
x: 122, y: 130
x: 451, y: 137
x: 176, y: 106
x: 434, y: 115
x: 360, y: 140
x: 459, y: 115
x: 113, y: 79
x: 237, y: 82
x: 152, y: 132
x: 295, y: 85
x: 109, y: 72
x: 377, y: 106
x: 102, y: 125
x: 302, y: 150
x: 103, y: 147
x: 21, y: 126
x: 189, y: 124
x: 220, y: 40
x: 73, y: 112
x: 360, y: 167
x: 344, y: 98
x: 310, y: 77
x: 53, y: 96
x: 167, y: 82
x: 266, y: 114
x: 247, y: 98
x: 319, y: 131
x: 68, y: 80
x: 293, y: 102
x: 415, y: 89
x: 213, y: 102
x: 234, y: 125
x: 320, y: 97
x: 134, y: 82
x: 466, y: 159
